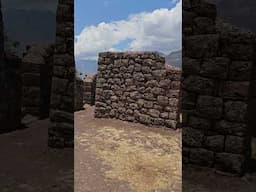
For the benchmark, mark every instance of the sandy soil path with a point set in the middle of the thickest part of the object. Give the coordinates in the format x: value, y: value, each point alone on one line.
x: 117, y: 156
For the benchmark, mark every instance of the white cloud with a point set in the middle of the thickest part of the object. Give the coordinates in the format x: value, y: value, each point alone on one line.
x: 159, y: 30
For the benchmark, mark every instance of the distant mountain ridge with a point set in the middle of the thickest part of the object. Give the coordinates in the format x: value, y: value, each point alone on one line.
x: 174, y: 59
x: 91, y: 66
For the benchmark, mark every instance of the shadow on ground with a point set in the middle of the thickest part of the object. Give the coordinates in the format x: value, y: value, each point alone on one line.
x: 198, y: 179
x: 28, y: 165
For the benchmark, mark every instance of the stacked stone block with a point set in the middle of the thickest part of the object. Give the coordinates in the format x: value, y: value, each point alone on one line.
x: 136, y: 87
x: 61, y: 132
x: 217, y: 67
x: 79, y: 94
x: 36, y: 80
x: 89, y: 90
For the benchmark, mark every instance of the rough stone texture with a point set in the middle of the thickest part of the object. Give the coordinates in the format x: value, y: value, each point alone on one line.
x: 79, y: 94
x: 137, y: 87
x: 36, y: 80
x: 217, y: 70
x: 90, y: 89
x: 61, y: 132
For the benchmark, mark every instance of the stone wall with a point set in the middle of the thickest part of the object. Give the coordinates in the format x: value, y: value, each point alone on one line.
x: 136, y: 86
x: 217, y: 65
x: 36, y: 80
x: 79, y: 94
x: 89, y: 90
x: 61, y: 132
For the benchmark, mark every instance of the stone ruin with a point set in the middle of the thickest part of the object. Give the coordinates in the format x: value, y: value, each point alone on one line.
x: 137, y: 87
x: 79, y: 94
x: 61, y: 132
x: 42, y: 83
x: 217, y: 85
x: 89, y: 89
x: 36, y: 75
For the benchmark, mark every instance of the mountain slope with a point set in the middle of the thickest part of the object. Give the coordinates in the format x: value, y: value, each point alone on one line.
x: 174, y: 59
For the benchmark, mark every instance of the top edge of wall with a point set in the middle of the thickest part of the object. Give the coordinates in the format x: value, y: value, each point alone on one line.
x: 128, y: 53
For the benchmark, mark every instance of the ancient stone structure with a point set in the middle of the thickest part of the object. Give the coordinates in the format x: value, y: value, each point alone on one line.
x: 61, y: 132
x: 42, y: 82
x: 79, y: 94
x: 90, y: 89
x: 217, y: 69
x: 36, y: 80
x: 136, y: 86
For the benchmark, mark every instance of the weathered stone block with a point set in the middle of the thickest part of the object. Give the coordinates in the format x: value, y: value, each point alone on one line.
x: 215, y: 143
x: 199, y: 46
x: 235, y: 111
x: 235, y: 145
x: 199, y: 123
x: 240, y: 70
x: 215, y: 67
x: 210, y: 107
x: 192, y: 137
x: 200, y: 85
x: 236, y: 90
x: 201, y: 156
x: 229, y: 162
x: 231, y: 128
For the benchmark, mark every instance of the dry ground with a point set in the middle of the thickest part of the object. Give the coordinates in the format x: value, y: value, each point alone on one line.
x: 28, y: 165
x: 117, y: 156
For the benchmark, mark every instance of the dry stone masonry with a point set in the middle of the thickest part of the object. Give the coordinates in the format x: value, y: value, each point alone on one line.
x: 137, y: 87
x: 61, y: 132
x: 217, y: 66
x: 90, y: 89
x: 36, y: 80
x: 79, y: 94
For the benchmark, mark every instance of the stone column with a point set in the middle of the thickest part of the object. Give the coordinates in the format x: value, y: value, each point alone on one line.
x: 217, y: 64
x: 61, y: 132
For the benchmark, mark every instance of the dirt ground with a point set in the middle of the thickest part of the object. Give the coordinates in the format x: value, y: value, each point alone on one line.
x: 28, y: 165
x: 117, y: 156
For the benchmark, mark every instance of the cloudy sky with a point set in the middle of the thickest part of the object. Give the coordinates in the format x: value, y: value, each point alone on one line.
x: 116, y: 25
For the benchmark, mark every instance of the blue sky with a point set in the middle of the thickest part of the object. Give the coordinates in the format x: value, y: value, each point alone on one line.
x: 126, y: 25
x: 110, y: 10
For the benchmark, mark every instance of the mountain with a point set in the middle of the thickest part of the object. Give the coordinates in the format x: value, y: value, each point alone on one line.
x: 174, y: 59
x: 90, y: 66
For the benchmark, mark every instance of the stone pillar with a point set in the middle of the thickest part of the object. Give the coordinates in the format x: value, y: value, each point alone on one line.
x: 61, y: 132
x: 217, y: 65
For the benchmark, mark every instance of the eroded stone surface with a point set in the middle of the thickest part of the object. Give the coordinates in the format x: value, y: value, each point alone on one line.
x: 137, y: 87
